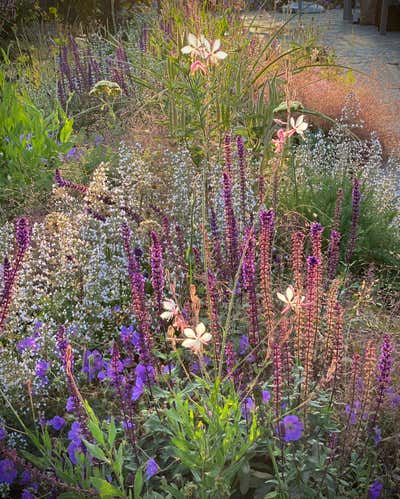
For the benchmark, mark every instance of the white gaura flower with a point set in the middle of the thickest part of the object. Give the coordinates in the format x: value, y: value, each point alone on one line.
x: 201, y: 47
x: 171, y: 310
x: 196, y: 340
x: 299, y: 126
x: 291, y: 300
x: 215, y: 54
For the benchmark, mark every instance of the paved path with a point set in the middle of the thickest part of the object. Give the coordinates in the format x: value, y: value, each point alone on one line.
x: 361, y: 47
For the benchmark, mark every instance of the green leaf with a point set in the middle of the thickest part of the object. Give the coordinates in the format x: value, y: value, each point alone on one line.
x: 95, y: 451
x: 106, y: 489
x: 66, y: 130
x: 112, y: 433
x: 138, y: 484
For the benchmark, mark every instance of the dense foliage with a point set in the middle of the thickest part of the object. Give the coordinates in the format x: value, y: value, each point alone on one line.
x: 200, y: 309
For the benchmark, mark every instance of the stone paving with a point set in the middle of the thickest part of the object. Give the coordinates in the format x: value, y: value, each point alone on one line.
x: 360, y: 47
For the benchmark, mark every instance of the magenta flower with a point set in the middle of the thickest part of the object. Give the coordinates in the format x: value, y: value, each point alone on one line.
x: 290, y: 428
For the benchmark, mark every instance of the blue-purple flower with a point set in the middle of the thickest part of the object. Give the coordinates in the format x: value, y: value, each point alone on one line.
x: 375, y: 490
x: 57, y: 423
x: 151, y: 468
x: 3, y: 433
x: 8, y: 473
x: 290, y: 428
x: 266, y: 396
x: 248, y: 407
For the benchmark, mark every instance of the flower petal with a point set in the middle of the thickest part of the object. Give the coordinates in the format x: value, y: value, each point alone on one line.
x: 193, y: 40
x: 187, y: 49
x: 282, y: 297
x: 189, y: 343
x: 189, y: 333
x: 220, y: 55
x: 216, y: 45
x: 289, y: 293
x: 206, y: 337
x: 200, y: 329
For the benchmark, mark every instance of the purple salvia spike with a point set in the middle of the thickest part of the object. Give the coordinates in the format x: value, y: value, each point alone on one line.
x: 216, y: 250
x: 62, y: 342
x: 356, y: 198
x: 384, y: 369
x: 230, y: 359
x: 22, y: 233
x: 249, y: 273
x: 241, y: 149
x: 333, y: 253
x: 157, y: 273
x: 62, y: 182
x: 65, y: 68
x: 231, y: 231
x: 228, y: 154
x: 338, y: 210
x: 80, y: 72
x: 213, y: 314
x: 61, y: 92
x: 144, y: 39
x: 261, y: 189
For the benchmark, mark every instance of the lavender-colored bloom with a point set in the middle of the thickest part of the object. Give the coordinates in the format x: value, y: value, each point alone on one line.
x: 290, y: 428
x: 377, y: 435
x: 73, y: 449
x: 356, y: 196
x: 26, y: 494
x: 266, y: 396
x: 3, y: 433
x: 75, y: 433
x: 384, y: 368
x: 70, y: 405
x: 26, y: 477
x: 42, y: 368
x: 244, y: 345
x: 57, y: 423
x: 248, y: 407
x: 92, y: 364
x: 137, y: 389
x: 145, y: 373
x: 8, y: 473
x: 127, y: 334
x: 28, y: 343
x: 228, y: 154
x: 375, y: 490
x: 151, y: 468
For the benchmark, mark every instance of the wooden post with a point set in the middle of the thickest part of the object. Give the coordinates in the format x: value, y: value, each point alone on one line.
x: 384, y: 17
x: 347, y: 11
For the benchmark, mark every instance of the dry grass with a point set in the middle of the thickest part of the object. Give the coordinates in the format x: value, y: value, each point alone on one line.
x: 326, y: 91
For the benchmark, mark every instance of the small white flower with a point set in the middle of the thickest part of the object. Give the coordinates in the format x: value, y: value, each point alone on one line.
x: 195, y: 340
x: 171, y: 309
x: 299, y: 126
x: 291, y: 300
x: 201, y: 47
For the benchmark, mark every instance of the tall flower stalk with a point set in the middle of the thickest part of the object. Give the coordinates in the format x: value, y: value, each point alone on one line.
x: 267, y: 230
x: 157, y: 272
x: 231, y: 229
x: 356, y: 198
x: 249, y: 274
x: 10, y: 272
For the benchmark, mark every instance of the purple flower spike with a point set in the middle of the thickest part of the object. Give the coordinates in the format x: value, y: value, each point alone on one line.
x: 151, y: 468
x: 157, y: 273
x: 248, y: 407
x: 290, y: 428
x: 231, y: 229
x: 356, y: 196
x: 22, y: 233
x: 375, y: 490
x: 333, y: 253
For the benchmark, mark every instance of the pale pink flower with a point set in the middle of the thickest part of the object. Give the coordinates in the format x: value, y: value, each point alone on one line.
x: 201, y: 47
x: 197, y: 339
x: 292, y: 301
x: 198, y: 66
